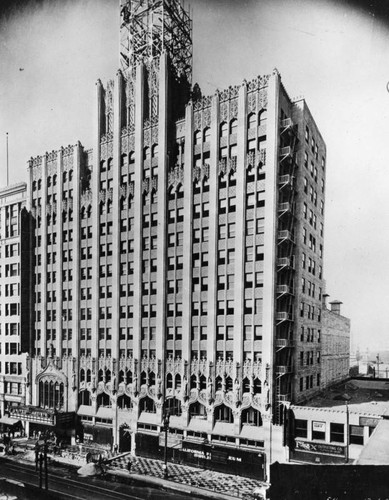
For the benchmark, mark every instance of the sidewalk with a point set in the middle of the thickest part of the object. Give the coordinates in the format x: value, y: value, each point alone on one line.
x: 189, y: 480
x: 222, y: 485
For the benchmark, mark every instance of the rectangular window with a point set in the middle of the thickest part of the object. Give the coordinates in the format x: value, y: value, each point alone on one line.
x: 336, y: 433
x: 301, y: 428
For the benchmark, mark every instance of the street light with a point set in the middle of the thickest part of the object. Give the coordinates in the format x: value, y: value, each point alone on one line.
x: 166, y: 418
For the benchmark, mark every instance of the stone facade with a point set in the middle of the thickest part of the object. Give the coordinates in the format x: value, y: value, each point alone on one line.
x: 171, y: 262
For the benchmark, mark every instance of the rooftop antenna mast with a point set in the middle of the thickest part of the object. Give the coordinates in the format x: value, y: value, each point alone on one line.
x: 7, y: 159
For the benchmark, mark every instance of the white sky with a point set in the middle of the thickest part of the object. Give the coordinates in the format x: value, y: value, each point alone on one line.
x: 335, y: 56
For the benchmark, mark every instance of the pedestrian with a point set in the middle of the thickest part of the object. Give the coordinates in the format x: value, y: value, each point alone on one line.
x: 129, y: 465
x: 115, y: 450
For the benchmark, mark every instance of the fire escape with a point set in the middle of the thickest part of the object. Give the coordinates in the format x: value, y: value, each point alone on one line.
x: 285, y: 288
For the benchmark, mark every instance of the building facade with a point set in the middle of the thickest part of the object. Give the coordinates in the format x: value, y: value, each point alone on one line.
x: 13, y: 293
x: 178, y: 265
x: 336, y: 345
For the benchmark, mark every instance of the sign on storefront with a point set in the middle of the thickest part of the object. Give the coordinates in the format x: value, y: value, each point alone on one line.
x: 173, y: 440
x: 320, y: 447
x: 318, y: 426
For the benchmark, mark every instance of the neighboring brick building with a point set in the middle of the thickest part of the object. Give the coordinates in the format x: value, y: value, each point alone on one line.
x: 335, y: 350
x: 13, y: 297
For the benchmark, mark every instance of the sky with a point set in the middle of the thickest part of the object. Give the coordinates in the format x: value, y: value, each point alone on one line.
x: 334, y: 53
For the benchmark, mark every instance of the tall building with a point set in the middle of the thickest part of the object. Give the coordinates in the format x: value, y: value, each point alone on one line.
x: 13, y: 298
x: 178, y: 265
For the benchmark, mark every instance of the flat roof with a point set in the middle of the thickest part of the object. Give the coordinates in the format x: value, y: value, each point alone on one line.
x: 364, y: 397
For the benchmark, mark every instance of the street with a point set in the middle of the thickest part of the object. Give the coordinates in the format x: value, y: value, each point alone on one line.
x: 64, y: 482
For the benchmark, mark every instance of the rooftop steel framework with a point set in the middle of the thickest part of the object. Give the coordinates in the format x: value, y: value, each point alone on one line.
x: 150, y: 27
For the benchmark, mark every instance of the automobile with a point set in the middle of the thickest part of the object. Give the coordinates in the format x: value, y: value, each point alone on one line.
x: 2, y: 450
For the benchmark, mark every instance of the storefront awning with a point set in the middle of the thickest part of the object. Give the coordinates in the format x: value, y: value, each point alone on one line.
x: 149, y: 418
x: 252, y: 432
x: 105, y: 413
x: 85, y: 410
x: 198, y: 425
x: 223, y: 429
x: 8, y: 421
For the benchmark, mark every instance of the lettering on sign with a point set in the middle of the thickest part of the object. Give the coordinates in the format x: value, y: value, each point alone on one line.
x: 320, y: 447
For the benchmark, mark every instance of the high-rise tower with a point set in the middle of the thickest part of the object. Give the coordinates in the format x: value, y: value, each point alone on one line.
x: 178, y: 265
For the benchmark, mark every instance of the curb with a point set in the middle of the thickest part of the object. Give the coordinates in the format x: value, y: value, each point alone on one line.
x: 170, y: 485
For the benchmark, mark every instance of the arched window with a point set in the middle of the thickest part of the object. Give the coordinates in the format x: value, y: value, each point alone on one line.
x: 169, y: 381
x: 203, y: 382
x: 246, y: 385
x: 70, y: 175
x: 101, y: 376
x: 64, y: 177
x: 84, y: 398
x: 207, y: 134
x: 155, y: 151
x: 109, y: 164
x: 197, y: 410
x: 54, y: 179
x: 233, y: 126
x: 174, y: 406
x: 177, y: 382
x: 151, y: 378
x: 224, y: 414
x: 197, y: 137
x: 129, y: 377
x: 143, y: 378
x: 262, y: 117
x: 109, y: 206
x: 257, y: 386
x: 124, y: 402
x: 34, y: 186
x: 251, y: 121
x: 229, y: 384
x: 121, y: 376
x: 193, y: 382
x: 147, y: 405
x: 102, y: 166
x: 218, y: 384
x: 48, y: 181
x: 103, y: 400
x: 250, y: 416
x: 88, y: 376
x: 223, y: 129
x: 108, y: 376
x: 131, y: 158
x: 39, y: 184
x: 82, y: 375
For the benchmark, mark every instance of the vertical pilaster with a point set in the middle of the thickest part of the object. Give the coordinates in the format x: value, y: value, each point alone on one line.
x: 213, y: 230
x: 138, y: 210
x: 162, y: 216
x: 76, y: 267
x: 95, y: 220
x: 270, y: 238
x: 240, y: 225
x: 58, y: 250
x: 118, y: 107
x: 188, y: 235
x: 44, y: 257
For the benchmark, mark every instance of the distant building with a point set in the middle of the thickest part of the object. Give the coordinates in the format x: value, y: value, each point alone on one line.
x: 13, y: 297
x: 335, y: 352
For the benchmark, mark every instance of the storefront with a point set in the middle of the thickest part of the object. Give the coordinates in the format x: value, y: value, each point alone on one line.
x: 36, y: 419
x: 202, y: 453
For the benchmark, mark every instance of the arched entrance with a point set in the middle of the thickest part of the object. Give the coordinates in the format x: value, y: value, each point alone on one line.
x: 124, y: 438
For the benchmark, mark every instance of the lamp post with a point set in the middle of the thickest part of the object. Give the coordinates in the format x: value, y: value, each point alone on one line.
x: 166, y: 418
